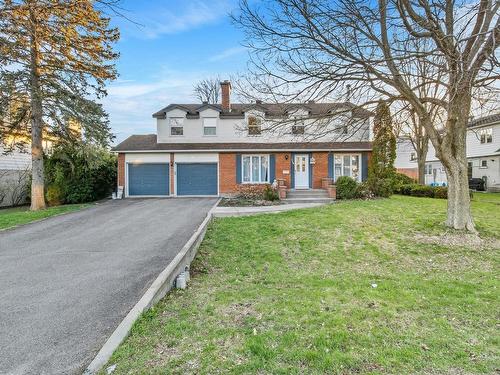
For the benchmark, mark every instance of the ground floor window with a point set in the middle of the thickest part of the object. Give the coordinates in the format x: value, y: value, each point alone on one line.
x: 428, y: 169
x: 347, y: 165
x: 255, y: 168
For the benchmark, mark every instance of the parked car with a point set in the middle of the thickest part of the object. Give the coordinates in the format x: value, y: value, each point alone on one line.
x: 477, y: 184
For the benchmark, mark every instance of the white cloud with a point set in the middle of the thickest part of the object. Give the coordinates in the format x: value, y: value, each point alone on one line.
x: 130, y: 104
x: 229, y: 52
x: 192, y: 14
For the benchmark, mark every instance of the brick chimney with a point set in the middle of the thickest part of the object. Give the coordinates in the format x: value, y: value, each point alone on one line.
x: 226, y: 95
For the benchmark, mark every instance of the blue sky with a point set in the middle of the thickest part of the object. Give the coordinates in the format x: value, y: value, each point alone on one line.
x: 175, y: 44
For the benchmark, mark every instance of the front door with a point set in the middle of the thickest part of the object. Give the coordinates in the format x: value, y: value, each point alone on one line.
x: 301, y: 171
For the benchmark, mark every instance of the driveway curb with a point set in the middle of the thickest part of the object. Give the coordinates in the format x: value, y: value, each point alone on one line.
x: 158, y: 289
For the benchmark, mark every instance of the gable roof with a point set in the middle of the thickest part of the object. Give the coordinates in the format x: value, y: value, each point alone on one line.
x: 485, y: 120
x: 270, y: 109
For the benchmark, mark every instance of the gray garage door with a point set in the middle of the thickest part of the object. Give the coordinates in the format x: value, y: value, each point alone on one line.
x: 197, y: 179
x: 148, y: 179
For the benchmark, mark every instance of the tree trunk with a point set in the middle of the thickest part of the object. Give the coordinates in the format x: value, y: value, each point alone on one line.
x: 37, y: 175
x: 459, y: 213
x: 421, y: 168
x: 453, y: 155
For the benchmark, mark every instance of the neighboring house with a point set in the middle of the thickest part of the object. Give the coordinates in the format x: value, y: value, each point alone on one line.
x: 212, y: 149
x: 483, y: 154
x: 15, y: 167
x: 406, y: 158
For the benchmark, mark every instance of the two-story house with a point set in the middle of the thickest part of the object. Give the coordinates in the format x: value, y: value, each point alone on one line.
x: 483, y: 155
x: 210, y: 149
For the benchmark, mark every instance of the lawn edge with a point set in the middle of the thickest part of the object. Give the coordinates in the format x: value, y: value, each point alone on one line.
x: 89, y: 205
x: 158, y: 289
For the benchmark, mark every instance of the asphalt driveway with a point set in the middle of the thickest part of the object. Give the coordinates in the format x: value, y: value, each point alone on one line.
x: 68, y: 281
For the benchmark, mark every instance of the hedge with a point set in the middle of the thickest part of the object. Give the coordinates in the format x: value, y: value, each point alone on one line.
x: 416, y: 190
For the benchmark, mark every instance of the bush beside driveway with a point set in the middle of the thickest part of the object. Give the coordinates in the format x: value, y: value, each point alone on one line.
x: 358, y: 287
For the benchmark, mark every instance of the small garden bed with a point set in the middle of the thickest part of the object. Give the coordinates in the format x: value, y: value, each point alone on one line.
x: 253, y: 195
x: 246, y: 202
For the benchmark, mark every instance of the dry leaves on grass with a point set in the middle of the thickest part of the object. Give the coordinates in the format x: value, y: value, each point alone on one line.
x: 453, y: 239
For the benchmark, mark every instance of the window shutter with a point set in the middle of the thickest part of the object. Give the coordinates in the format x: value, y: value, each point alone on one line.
x: 330, y: 165
x: 238, y: 168
x: 364, y: 166
x: 272, y: 167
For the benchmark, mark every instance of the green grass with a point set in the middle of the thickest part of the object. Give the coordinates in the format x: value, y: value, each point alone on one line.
x: 11, y: 217
x: 292, y: 293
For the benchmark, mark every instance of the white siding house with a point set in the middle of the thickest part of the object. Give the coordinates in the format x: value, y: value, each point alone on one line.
x: 14, y: 171
x: 483, y: 154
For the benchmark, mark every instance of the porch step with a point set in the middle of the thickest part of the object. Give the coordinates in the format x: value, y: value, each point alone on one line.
x: 308, y: 200
x: 307, y: 193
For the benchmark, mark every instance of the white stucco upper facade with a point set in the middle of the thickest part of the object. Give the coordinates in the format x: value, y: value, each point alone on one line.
x: 234, y: 130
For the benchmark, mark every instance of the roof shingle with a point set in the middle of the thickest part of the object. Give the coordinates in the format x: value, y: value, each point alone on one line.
x: 270, y: 109
x: 148, y: 143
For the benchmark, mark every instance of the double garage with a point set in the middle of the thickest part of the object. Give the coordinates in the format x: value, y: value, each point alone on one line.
x: 151, y: 175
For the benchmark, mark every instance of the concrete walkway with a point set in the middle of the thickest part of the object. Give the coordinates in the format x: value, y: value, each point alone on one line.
x: 246, y: 211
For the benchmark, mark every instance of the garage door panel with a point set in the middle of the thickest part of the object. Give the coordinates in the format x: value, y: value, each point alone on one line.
x: 148, y: 179
x: 197, y: 179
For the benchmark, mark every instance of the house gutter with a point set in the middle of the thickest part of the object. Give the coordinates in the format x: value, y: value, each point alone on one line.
x: 243, y: 150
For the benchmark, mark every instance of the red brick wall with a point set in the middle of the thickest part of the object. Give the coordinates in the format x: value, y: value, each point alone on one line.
x: 226, y: 95
x: 227, y: 173
x: 283, y: 164
x: 410, y: 172
x: 121, y: 169
x: 320, y: 168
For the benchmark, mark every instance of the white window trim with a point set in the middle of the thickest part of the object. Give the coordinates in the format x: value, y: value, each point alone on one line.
x: 486, y: 132
x: 243, y: 156
x: 481, y: 166
x: 203, y: 126
x: 360, y: 166
x: 259, y: 121
x: 427, y: 169
x: 170, y: 126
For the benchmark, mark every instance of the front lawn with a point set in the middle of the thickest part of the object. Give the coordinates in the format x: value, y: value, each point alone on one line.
x: 356, y: 287
x: 11, y: 217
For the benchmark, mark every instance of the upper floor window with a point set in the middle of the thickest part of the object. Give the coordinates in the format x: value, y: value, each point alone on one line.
x: 176, y: 126
x: 413, y: 156
x: 298, y: 127
x: 209, y: 126
x: 484, y: 163
x: 254, y: 127
x: 486, y: 135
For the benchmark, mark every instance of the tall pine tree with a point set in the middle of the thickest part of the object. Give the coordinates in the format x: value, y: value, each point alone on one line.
x: 55, y: 58
x: 381, y: 168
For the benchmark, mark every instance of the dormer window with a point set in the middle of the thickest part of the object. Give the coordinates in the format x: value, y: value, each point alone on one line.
x: 254, y: 127
x: 176, y: 126
x: 209, y: 126
x: 298, y: 128
x: 486, y: 135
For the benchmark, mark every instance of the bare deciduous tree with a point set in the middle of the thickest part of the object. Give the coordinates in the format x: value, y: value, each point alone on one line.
x: 316, y: 48
x: 207, y: 90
